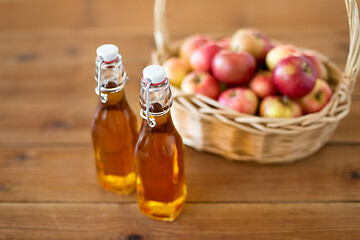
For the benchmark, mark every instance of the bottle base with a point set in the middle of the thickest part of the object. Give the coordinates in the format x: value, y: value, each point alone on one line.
x: 164, y: 211
x: 116, y: 184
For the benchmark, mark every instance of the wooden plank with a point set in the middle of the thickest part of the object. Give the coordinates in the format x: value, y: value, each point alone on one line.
x: 61, y: 121
x: 49, y: 47
x: 182, y: 15
x: 68, y: 82
x: 231, y: 14
x: 198, y: 221
x: 73, y: 81
x: 125, y: 15
x: 57, y: 48
x: 67, y: 174
x: 26, y: 121
x: 348, y: 130
x: 52, y: 174
x: 42, y: 64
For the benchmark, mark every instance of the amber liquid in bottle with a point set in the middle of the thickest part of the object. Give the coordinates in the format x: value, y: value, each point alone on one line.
x: 159, y: 164
x: 114, y: 134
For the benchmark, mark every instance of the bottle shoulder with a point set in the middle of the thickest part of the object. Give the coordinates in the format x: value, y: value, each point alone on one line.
x: 159, y: 144
x: 162, y: 134
x: 120, y: 112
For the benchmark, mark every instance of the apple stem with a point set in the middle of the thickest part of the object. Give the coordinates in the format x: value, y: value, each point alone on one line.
x: 307, y: 69
x: 285, y: 99
x: 197, y: 79
x: 318, y: 95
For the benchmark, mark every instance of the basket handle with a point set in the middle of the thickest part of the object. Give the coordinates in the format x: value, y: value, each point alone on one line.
x: 160, y: 31
x: 353, y: 60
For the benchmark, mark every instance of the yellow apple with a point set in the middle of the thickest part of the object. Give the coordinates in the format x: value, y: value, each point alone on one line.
x: 278, y: 53
x: 176, y: 70
x: 277, y: 107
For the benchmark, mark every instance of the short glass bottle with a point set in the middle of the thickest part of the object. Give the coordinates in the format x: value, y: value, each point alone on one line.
x: 114, y: 126
x: 159, y: 152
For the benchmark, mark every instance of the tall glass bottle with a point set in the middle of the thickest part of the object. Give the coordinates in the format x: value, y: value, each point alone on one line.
x: 159, y: 152
x: 114, y: 126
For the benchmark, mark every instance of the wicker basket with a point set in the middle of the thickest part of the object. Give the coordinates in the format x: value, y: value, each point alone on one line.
x: 207, y: 125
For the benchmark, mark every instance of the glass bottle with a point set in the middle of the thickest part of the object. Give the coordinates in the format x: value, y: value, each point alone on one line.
x: 114, y: 126
x: 159, y: 152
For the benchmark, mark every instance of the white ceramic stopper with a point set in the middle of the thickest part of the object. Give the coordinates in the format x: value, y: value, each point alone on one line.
x: 155, y: 73
x: 108, y: 52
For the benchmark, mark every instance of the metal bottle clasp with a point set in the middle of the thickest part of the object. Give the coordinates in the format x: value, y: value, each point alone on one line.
x: 150, y: 121
x: 102, y: 97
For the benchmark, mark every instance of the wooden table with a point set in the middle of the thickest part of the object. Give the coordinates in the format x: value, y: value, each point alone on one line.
x: 48, y: 187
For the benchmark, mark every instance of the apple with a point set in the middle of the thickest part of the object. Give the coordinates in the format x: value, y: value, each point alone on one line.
x: 278, y: 53
x: 294, y: 76
x: 201, y: 58
x: 320, y: 68
x: 233, y: 67
x: 240, y: 99
x: 252, y: 41
x: 191, y: 43
x: 202, y: 83
x: 278, y: 107
x: 317, y: 98
x: 262, y: 84
x: 176, y: 70
x: 225, y: 43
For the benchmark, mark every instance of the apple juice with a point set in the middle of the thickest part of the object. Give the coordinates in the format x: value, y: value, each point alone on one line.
x: 159, y: 152
x: 114, y: 126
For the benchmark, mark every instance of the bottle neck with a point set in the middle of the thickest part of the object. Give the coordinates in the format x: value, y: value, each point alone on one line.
x: 110, y: 80
x: 155, y: 101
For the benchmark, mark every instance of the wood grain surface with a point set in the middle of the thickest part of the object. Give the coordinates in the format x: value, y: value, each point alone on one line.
x: 67, y: 174
x: 197, y: 221
x: 48, y: 188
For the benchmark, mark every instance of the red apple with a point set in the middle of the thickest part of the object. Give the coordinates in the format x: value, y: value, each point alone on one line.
x: 201, y: 58
x: 252, y: 41
x: 202, y: 83
x: 240, y: 99
x: 277, y: 107
x: 320, y: 68
x: 278, y: 53
x: 191, y: 44
x: 176, y: 70
x: 317, y: 98
x: 294, y: 76
x: 233, y: 67
x: 262, y: 84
